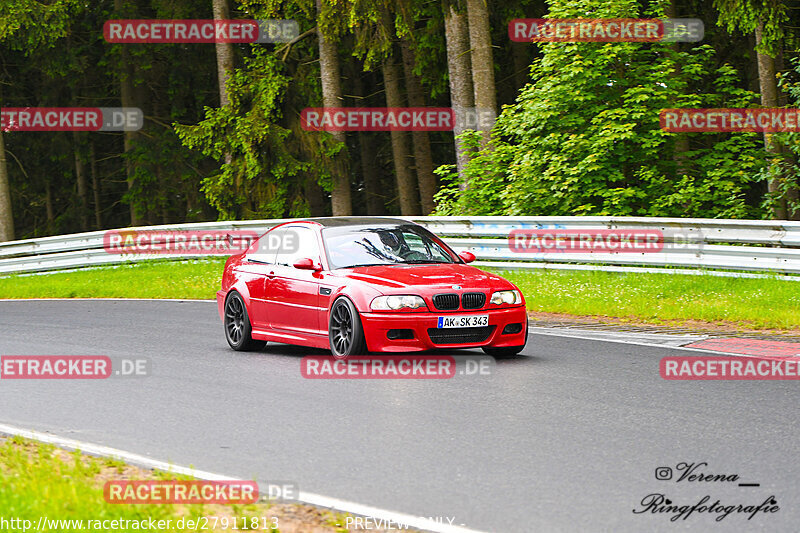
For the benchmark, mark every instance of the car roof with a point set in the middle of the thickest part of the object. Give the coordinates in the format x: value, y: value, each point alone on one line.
x: 355, y: 221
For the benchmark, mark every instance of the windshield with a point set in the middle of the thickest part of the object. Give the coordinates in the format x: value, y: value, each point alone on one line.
x: 353, y: 246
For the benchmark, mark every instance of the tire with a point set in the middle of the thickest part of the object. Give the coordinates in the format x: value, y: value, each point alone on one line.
x: 345, y: 333
x: 507, y: 351
x: 504, y: 352
x: 238, y: 329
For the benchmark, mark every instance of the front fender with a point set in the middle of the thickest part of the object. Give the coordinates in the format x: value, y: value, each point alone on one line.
x: 360, y: 295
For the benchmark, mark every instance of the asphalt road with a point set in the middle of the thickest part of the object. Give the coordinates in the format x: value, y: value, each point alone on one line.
x: 566, y: 437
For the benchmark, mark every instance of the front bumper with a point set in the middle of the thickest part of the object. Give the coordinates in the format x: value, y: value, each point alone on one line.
x: 377, y: 326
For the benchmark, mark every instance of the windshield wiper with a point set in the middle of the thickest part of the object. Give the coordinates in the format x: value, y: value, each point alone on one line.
x: 368, y: 265
x: 410, y: 262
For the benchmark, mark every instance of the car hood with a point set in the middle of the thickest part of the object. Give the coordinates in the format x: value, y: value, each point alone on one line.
x: 434, y: 276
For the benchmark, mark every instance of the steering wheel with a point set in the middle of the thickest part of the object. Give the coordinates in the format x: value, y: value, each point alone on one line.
x: 415, y: 256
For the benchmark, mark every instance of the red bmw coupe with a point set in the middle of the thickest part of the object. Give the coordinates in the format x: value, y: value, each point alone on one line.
x: 362, y: 284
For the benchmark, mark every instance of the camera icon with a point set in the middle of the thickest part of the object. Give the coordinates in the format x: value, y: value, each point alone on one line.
x: 663, y: 473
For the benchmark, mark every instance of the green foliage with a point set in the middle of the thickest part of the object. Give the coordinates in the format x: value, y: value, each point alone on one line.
x: 744, y: 15
x: 28, y: 24
x: 35, y: 482
x: 271, y: 159
x: 784, y: 171
x: 248, y: 130
x: 484, y: 176
x: 164, y: 174
x: 756, y: 303
x: 584, y: 137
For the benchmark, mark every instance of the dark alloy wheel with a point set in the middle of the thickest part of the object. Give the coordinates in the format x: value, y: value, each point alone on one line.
x: 344, y: 330
x: 237, y: 325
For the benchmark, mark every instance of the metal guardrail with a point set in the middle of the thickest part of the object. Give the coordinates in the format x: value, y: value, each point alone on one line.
x: 742, y: 248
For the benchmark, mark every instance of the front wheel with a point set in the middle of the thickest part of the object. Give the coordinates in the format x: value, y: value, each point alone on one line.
x: 238, y: 329
x: 345, y: 333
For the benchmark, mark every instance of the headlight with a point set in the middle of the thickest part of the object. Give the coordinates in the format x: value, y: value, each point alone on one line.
x: 506, y: 297
x: 391, y: 303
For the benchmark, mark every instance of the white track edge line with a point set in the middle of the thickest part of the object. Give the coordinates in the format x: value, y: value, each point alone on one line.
x: 316, y: 500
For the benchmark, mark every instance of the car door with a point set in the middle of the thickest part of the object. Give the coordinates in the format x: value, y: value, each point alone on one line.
x: 293, y: 298
x: 258, y: 268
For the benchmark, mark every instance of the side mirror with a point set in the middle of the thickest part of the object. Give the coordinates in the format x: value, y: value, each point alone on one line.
x: 306, y: 264
x: 468, y: 257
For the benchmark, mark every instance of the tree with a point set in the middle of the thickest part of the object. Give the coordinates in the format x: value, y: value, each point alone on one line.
x: 480, y: 40
x: 765, y: 19
x: 406, y: 184
x: 224, y: 58
x: 25, y: 25
x: 584, y: 137
x: 6, y: 215
x: 578, y: 133
x: 376, y: 42
x: 375, y: 197
x: 330, y: 77
x: 459, y: 68
x: 423, y: 159
x: 128, y: 98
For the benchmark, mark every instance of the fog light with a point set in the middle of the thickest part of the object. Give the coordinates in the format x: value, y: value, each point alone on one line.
x: 512, y: 328
x: 399, y: 334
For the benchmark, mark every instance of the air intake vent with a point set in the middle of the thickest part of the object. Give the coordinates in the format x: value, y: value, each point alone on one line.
x: 445, y: 302
x: 460, y: 335
x: 473, y: 300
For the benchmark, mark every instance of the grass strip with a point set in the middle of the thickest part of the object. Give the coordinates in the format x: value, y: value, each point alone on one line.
x: 755, y: 303
x: 40, y: 480
x: 758, y: 303
x: 192, y: 279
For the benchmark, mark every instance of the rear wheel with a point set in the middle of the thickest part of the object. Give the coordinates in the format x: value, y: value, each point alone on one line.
x: 345, y: 333
x: 238, y: 329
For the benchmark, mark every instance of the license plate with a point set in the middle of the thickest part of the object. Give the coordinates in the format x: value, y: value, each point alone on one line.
x: 466, y: 321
